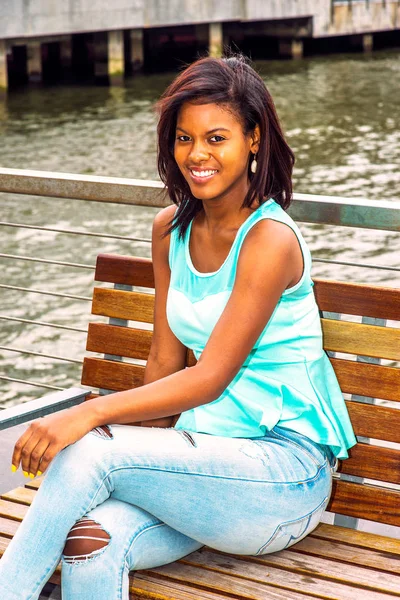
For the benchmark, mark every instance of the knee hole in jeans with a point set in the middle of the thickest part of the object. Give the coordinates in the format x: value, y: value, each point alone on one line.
x: 86, y: 539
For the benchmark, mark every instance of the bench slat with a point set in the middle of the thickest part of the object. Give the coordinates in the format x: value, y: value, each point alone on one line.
x: 360, y: 339
x: 365, y: 501
x: 128, y: 270
x: 121, y: 341
x: 358, y: 539
x: 12, y: 510
x: 34, y: 484
x: 142, y: 585
x: 133, y: 306
x: 365, y: 379
x: 358, y: 299
x: 251, y: 575
x: 345, y: 553
x: 352, y: 338
x: 352, y: 574
x: 8, y: 527
x: 20, y: 495
x: 379, y: 422
x: 372, y: 462
x: 111, y: 375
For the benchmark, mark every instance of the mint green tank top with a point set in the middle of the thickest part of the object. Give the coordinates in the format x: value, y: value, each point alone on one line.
x: 287, y: 379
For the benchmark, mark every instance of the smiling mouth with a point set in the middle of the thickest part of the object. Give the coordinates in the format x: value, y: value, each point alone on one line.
x: 202, y: 175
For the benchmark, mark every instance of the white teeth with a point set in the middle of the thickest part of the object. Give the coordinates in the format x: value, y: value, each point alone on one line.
x: 203, y: 173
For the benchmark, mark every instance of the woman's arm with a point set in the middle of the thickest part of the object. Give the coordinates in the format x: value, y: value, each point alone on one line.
x: 267, y: 265
x: 167, y: 354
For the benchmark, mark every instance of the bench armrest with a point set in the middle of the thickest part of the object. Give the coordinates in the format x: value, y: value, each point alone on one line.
x: 40, y: 407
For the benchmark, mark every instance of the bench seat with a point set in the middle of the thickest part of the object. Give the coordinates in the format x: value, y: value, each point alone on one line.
x: 333, y: 562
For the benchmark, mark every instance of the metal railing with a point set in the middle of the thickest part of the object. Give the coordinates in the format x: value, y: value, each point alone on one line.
x: 359, y: 213
x: 308, y: 208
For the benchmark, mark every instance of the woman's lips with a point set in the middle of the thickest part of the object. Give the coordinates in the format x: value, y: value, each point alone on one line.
x: 206, y: 175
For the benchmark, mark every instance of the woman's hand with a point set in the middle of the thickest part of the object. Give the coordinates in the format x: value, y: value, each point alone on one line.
x: 46, y: 437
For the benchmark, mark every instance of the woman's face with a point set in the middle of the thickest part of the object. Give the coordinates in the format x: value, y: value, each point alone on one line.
x: 212, y: 151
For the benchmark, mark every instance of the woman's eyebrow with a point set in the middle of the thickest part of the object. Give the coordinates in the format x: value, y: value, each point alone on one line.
x: 207, y: 132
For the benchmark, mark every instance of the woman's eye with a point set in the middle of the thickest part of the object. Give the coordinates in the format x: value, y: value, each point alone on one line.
x: 182, y: 138
x: 217, y: 138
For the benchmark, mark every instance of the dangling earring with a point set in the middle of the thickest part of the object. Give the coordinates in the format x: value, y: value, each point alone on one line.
x: 253, y: 166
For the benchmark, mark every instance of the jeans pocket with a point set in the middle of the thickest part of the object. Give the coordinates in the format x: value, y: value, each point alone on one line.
x: 289, y: 532
x: 301, y: 448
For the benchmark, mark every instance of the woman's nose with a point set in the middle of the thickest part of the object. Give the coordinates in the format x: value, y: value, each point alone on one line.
x: 198, y: 153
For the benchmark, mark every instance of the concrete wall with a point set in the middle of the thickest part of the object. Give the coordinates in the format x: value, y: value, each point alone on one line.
x: 30, y: 18
x: 278, y: 9
x: 35, y: 18
x: 347, y: 17
x: 19, y: 18
x: 171, y: 12
x: 363, y: 17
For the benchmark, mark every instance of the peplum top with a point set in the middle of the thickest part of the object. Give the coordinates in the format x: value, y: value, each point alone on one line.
x: 287, y: 379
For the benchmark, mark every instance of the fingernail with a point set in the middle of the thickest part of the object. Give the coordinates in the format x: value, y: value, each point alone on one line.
x: 39, y: 473
x: 25, y: 473
x: 13, y: 468
x: 31, y: 475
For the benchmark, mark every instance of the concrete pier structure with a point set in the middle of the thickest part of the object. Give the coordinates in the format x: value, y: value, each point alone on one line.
x: 368, y: 42
x: 202, y: 33
x: 100, y: 56
x: 3, y: 67
x: 291, y: 48
x: 108, y: 48
x: 115, y: 62
x: 363, y: 42
x: 34, y: 61
x: 284, y: 28
x: 66, y: 56
x: 216, y: 39
x: 136, y: 50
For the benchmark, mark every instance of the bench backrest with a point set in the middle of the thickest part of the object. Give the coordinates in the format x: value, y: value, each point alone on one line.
x: 353, y: 343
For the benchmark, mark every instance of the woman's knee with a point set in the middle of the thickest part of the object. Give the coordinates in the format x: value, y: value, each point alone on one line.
x: 86, y: 539
x: 84, y: 455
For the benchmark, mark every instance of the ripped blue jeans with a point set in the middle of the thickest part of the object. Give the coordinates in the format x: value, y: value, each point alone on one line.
x: 155, y: 495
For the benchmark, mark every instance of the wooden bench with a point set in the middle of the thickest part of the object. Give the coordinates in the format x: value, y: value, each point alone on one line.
x: 333, y: 562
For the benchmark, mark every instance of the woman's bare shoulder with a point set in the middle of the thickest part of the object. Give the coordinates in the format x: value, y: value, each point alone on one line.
x: 163, y: 218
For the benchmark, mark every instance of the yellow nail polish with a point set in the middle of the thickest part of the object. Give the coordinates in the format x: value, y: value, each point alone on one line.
x: 25, y: 473
x: 31, y: 475
x: 39, y: 473
x: 13, y: 468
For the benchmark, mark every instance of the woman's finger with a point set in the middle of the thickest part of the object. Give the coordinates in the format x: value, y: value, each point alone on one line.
x: 36, y: 456
x: 51, y: 451
x: 27, y: 451
x: 19, y: 445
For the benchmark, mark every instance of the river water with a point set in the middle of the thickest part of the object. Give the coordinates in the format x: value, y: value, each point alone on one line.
x: 341, y: 116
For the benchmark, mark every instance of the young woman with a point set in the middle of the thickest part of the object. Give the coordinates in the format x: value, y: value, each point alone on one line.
x: 241, y: 448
